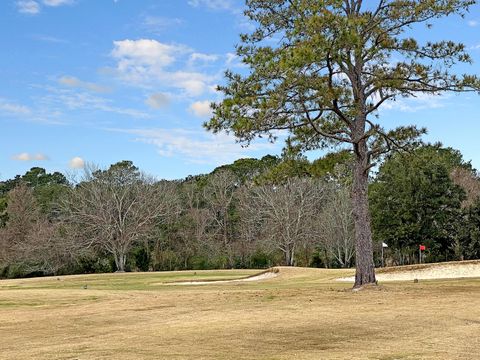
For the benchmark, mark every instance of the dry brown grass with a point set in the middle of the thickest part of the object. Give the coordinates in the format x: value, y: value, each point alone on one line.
x: 300, y: 314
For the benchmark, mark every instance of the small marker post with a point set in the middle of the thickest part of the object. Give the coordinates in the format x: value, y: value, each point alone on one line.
x: 383, y: 246
x: 420, y: 249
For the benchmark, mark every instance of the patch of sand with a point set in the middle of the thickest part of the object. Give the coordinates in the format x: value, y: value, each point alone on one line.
x: 262, y: 276
x: 429, y: 272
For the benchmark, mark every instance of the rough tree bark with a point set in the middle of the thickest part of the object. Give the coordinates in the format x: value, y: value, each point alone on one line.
x: 365, y: 269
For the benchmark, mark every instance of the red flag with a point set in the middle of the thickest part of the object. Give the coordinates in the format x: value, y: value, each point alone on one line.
x: 422, y: 247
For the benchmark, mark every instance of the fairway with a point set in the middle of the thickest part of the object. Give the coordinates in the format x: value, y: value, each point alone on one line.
x: 299, y: 314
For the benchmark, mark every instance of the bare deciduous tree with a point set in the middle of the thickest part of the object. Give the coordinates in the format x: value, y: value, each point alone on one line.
x: 469, y: 181
x: 192, y: 233
x: 29, y: 240
x: 337, y: 226
x: 115, y: 208
x: 286, y: 214
x: 219, y: 194
x: 249, y: 227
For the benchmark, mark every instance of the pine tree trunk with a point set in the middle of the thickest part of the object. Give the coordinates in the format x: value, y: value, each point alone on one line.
x: 365, y: 270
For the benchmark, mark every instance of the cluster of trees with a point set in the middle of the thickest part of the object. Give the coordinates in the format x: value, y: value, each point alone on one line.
x: 252, y: 213
x: 429, y: 197
x: 30, y: 238
x: 241, y: 215
x: 319, y: 70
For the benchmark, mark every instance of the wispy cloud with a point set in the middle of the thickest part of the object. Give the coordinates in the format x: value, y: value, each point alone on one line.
x: 55, y: 3
x: 74, y: 82
x: 234, y: 7
x: 157, y: 100
x: 158, y: 24
x: 196, y: 146
x: 35, y: 113
x: 420, y: 102
x: 29, y: 7
x: 69, y: 99
x: 473, y: 23
x: 48, y: 38
x: 200, y: 59
x: 232, y: 60
x: 56, y: 105
x: 33, y: 7
x: 229, y: 5
x: 12, y: 108
x: 30, y: 157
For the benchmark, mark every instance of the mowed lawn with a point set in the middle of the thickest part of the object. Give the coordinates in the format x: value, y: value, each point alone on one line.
x: 300, y: 314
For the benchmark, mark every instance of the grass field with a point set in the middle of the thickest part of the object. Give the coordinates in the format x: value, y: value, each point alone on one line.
x: 300, y: 314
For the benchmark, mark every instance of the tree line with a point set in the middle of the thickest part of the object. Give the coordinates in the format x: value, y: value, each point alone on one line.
x: 252, y: 213
x: 318, y: 72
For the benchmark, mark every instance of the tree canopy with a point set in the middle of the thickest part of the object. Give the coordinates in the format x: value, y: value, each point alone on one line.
x: 415, y: 201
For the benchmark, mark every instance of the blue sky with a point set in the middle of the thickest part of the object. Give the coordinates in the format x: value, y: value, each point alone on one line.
x: 100, y: 81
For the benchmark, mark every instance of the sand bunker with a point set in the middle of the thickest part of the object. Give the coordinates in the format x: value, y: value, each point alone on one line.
x: 262, y: 276
x: 440, y: 271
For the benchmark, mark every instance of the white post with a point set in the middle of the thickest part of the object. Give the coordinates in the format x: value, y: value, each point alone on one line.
x: 382, y: 255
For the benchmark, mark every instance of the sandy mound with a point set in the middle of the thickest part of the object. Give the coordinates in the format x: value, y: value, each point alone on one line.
x: 262, y: 276
x: 453, y: 270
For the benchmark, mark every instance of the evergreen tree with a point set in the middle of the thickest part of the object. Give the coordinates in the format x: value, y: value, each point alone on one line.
x: 333, y: 66
x: 414, y: 201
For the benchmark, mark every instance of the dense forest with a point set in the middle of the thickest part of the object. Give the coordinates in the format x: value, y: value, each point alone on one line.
x: 252, y: 213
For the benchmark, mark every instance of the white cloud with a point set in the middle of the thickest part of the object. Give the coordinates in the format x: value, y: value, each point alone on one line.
x: 149, y: 63
x: 74, y: 100
x: 28, y: 7
x: 198, y: 146
x: 231, y: 57
x: 55, y: 3
x: 234, y: 61
x: 13, y: 108
x: 473, y: 23
x: 158, y: 24
x: 75, y: 82
x: 48, y: 38
x: 203, y: 57
x: 420, y: 102
x: 234, y: 7
x: 157, y: 100
x: 33, y: 7
x: 192, y: 83
x: 29, y: 157
x: 145, y: 52
x: 213, y: 4
x: 201, y: 108
x: 76, y: 163
x: 37, y: 113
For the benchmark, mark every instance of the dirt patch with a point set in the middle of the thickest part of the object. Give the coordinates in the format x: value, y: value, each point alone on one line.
x: 262, y: 276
